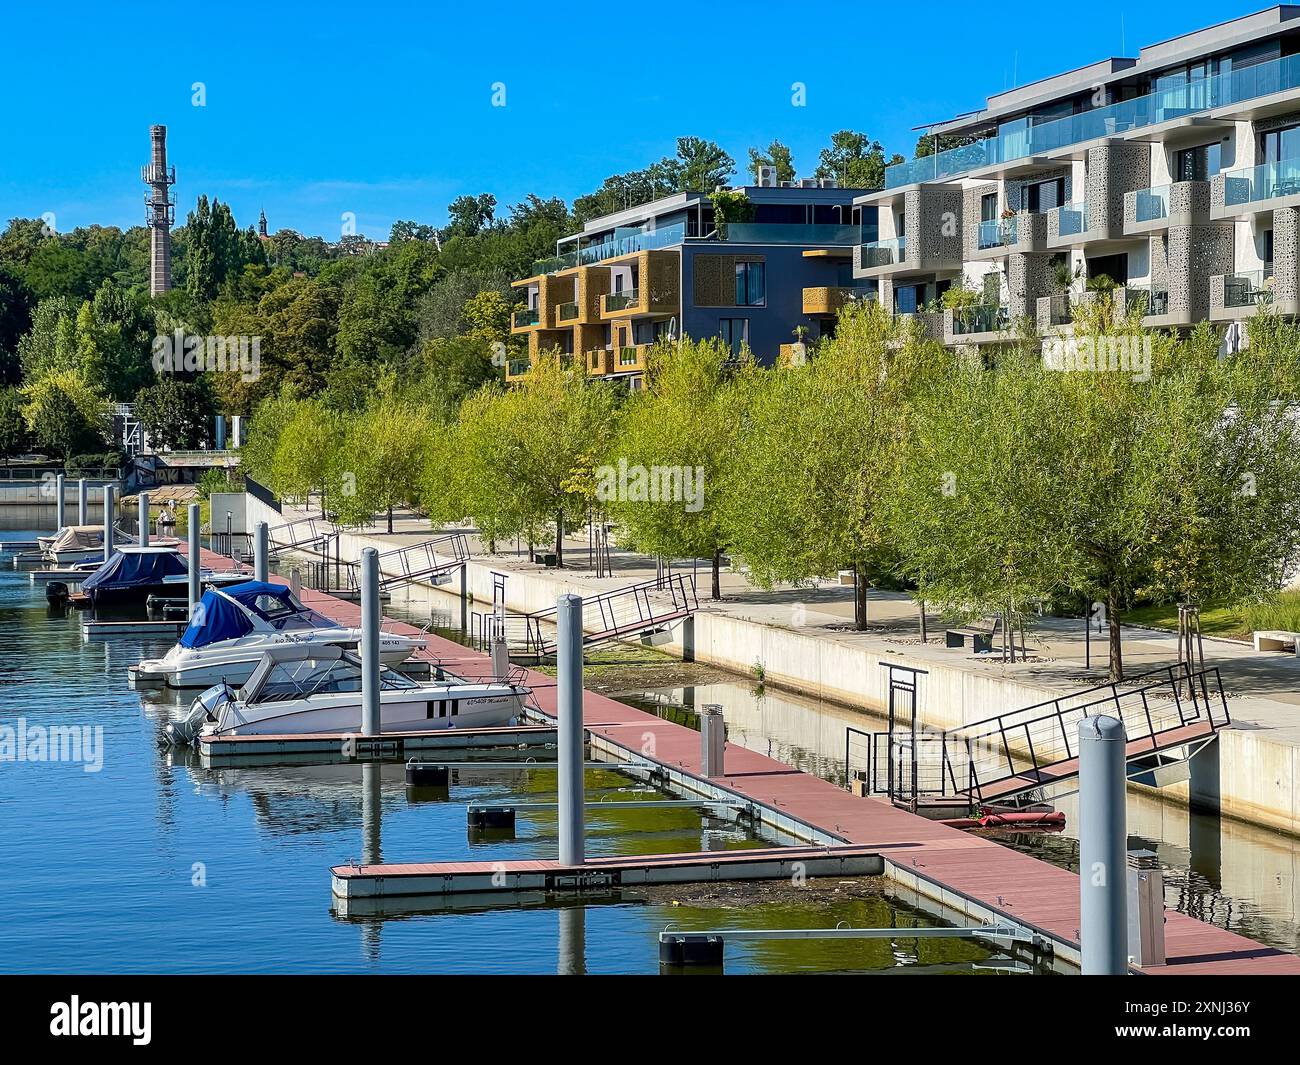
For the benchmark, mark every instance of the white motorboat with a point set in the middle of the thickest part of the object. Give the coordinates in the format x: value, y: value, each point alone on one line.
x: 304, y: 690
x: 73, y: 544
x: 234, y: 626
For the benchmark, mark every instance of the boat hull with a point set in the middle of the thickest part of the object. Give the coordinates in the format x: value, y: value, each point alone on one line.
x: 398, y: 713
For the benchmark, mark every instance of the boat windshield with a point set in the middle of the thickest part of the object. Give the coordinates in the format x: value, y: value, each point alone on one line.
x: 307, y: 677
x: 284, y: 612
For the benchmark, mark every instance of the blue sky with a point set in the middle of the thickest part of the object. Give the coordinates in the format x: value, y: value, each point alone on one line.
x: 385, y: 109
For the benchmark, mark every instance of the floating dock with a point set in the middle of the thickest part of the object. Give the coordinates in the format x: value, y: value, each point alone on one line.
x: 348, y: 746
x: 969, y: 878
x: 93, y: 628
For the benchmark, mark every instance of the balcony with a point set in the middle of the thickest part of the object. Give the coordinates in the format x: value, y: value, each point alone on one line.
x: 833, y: 299
x: 1256, y: 188
x: 600, y: 362
x: 618, y: 302
x: 771, y: 233
x: 626, y: 243
x: 630, y: 359
x: 1067, y: 225
x: 995, y: 233
x: 566, y: 313
x: 1241, y: 295
x: 1053, y: 312
x: 1020, y: 140
x: 980, y: 320
x: 1152, y: 299
x: 526, y: 318
x: 1182, y: 203
x: 883, y: 253
x: 517, y: 368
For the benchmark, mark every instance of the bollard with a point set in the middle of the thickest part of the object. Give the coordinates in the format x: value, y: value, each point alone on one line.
x: 143, y: 519
x: 713, y: 740
x: 58, y: 502
x: 108, y: 521
x: 1146, y: 909
x: 571, y: 739
x: 295, y: 582
x: 500, y: 659
x: 82, y: 508
x: 261, y: 545
x: 195, y: 552
x: 370, y: 642
x: 1103, y: 842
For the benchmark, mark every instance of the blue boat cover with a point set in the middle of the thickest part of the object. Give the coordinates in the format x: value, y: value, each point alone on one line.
x: 215, y: 619
x: 134, y: 568
x: 250, y: 591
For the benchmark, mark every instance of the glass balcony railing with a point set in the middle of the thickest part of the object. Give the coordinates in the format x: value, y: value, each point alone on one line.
x: 1072, y: 219
x: 566, y: 312
x: 525, y: 318
x: 772, y: 233
x: 621, y: 301
x: 1263, y: 182
x: 1153, y: 299
x: 884, y: 252
x: 1248, y: 288
x: 1152, y: 204
x: 645, y: 240
x: 1020, y: 139
x: 984, y: 319
x: 517, y: 367
x: 996, y: 233
x: 630, y: 356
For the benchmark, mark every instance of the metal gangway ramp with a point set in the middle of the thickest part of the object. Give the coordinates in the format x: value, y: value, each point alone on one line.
x: 301, y: 533
x: 642, y: 609
x: 1003, y: 758
x: 423, y: 561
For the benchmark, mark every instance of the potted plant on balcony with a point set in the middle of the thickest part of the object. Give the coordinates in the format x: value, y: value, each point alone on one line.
x: 799, y: 349
x: 963, y: 301
x: 730, y: 205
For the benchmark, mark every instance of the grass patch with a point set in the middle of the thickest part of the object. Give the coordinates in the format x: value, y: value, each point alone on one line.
x: 1280, y: 611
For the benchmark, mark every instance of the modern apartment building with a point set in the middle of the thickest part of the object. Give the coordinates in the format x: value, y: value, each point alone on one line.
x: 666, y: 268
x: 1176, y: 174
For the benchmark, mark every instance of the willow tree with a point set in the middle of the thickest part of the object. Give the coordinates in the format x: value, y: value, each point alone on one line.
x: 971, y: 504
x: 663, y: 477
x: 382, y: 460
x: 813, y: 454
x: 307, y: 450
x: 526, y: 455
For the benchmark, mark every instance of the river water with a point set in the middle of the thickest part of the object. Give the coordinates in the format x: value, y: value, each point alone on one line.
x: 136, y: 859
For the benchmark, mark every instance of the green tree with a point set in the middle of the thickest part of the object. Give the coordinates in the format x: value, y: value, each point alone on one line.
x: 307, y: 451
x: 526, y: 455
x: 676, y: 434
x: 175, y: 413
x: 14, y: 435
x: 775, y: 154
x: 64, y: 414
x: 802, y: 496
x: 855, y: 161
x: 384, y: 453
x: 702, y: 165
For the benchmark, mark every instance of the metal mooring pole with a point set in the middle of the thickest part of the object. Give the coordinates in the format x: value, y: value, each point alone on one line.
x: 58, y: 502
x: 370, y: 642
x: 192, y: 532
x: 261, y: 545
x: 142, y: 518
x: 82, y: 507
x: 1103, y: 844
x: 108, y: 521
x: 568, y: 663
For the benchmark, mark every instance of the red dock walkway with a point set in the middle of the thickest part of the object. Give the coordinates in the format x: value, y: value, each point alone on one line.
x: 963, y: 866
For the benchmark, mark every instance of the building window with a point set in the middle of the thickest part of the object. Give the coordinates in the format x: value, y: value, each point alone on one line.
x: 751, y: 285
x: 1200, y: 163
x: 989, y: 207
x: 734, y: 333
